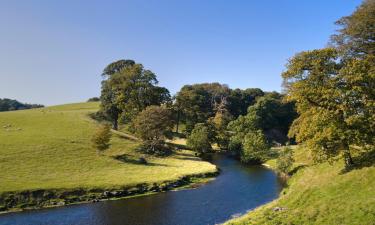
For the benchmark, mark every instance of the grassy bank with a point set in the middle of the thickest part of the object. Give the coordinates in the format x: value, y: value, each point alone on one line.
x: 46, y: 153
x: 320, y: 194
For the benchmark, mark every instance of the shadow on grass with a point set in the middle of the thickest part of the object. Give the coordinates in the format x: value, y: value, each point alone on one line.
x: 362, y: 160
x: 296, y: 169
x: 125, y: 158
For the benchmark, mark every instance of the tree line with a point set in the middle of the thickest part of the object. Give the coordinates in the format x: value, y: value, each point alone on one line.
x: 209, y: 112
x: 327, y: 103
x: 11, y: 104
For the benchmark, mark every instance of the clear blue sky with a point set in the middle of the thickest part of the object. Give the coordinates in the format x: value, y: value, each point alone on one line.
x: 53, y: 52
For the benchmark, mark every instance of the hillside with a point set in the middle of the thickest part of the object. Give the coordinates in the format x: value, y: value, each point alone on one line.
x: 49, y: 148
x: 320, y: 194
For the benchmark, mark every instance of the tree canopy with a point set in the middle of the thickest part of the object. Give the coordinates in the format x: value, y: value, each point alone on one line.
x: 334, y: 89
x: 128, y: 89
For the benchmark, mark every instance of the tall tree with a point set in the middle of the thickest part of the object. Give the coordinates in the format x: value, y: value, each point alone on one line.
x: 356, y: 37
x: 108, y: 97
x: 335, y: 100
x: 129, y: 89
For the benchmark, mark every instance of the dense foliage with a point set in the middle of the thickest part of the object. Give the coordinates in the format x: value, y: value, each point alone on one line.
x: 153, y: 125
x: 10, y: 105
x: 285, y: 160
x: 334, y: 89
x: 255, y: 148
x: 199, y: 102
x: 101, y: 138
x: 199, y: 139
x: 128, y: 89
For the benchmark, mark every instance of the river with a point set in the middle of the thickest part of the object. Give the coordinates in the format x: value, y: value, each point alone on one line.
x: 236, y: 190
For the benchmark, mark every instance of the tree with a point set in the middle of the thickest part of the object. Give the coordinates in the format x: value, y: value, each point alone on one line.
x: 273, y: 116
x: 199, y: 139
x: 356, y: 38
x: 101, y: 138
x: 238, y: 129
x: 220, y: 123
x: 129, y: 89
x: 197, y: 102
x: 117, y: 66
x: 136, y: 89
x: 153, y: 125
x: 109, y: 106
x: 285, y: 160
x: 240, y: 100
x: 255, y: 148
x: 335, y: 101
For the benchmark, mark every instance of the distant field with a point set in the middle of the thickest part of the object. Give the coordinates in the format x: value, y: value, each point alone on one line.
x: 320, y: 194
x: 49, y: 148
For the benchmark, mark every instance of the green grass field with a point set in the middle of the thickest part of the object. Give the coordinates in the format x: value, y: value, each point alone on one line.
x: 320, y: 194
x: 49, y: 148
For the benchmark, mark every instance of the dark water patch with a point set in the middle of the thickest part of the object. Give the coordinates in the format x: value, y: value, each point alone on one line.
x: 236, y: 190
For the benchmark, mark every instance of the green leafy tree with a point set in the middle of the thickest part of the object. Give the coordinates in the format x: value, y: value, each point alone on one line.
x: 255, y: 148
x: 197, y: 102
x: 285, y: 160
x: 101, y: 138
x: 273, y: 116
x: 356, y: 38
x: 240, y: 100
x: 220, y: 123
x: 136, y: 88
x: 153, y: 125
x: 129, y: 89
x: 199, y: 139
x: 335, y: 100
x: 109, y: 106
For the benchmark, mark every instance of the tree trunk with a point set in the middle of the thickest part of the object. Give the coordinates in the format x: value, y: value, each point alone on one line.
x: 178, y: 120
x: 348, y: 157
x: 115, y: 124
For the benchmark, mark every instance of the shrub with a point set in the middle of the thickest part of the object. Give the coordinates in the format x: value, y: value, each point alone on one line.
x: 285, y: 160
x: 255, y: 148
x: 153, y: 125
x: 199, y: 140
x: 101, y: 138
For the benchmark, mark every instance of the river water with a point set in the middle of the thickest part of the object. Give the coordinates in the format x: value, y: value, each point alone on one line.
x: 236, y: 190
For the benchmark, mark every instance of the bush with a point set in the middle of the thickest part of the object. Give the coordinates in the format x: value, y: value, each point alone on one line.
x: 101, y: 138
x: 153, y: 125
x: 199, y: 140
x: 255, y: 148
x: 285, y: 160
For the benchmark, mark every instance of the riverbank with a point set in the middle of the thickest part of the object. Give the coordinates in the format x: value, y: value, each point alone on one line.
x: 48, y: 161
x: 321, y: 194
x: 37, y: 199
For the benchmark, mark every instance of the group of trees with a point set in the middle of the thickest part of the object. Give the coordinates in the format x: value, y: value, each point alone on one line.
x: 10, y: 105
x: 328, y: 103
x: 211, y: 112
x: 128, y: 89
x: 334, y: 89
x: 130, y: 95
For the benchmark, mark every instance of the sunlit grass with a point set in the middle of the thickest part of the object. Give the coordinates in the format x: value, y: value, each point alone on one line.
x: 50, y: 148
x: 320, y: 194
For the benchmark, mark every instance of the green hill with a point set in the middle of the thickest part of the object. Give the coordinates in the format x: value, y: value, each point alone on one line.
x: 321, y: 194
x: 49, y: 149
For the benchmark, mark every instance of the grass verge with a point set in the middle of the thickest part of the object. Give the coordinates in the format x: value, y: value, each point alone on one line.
x: 320, y: 194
